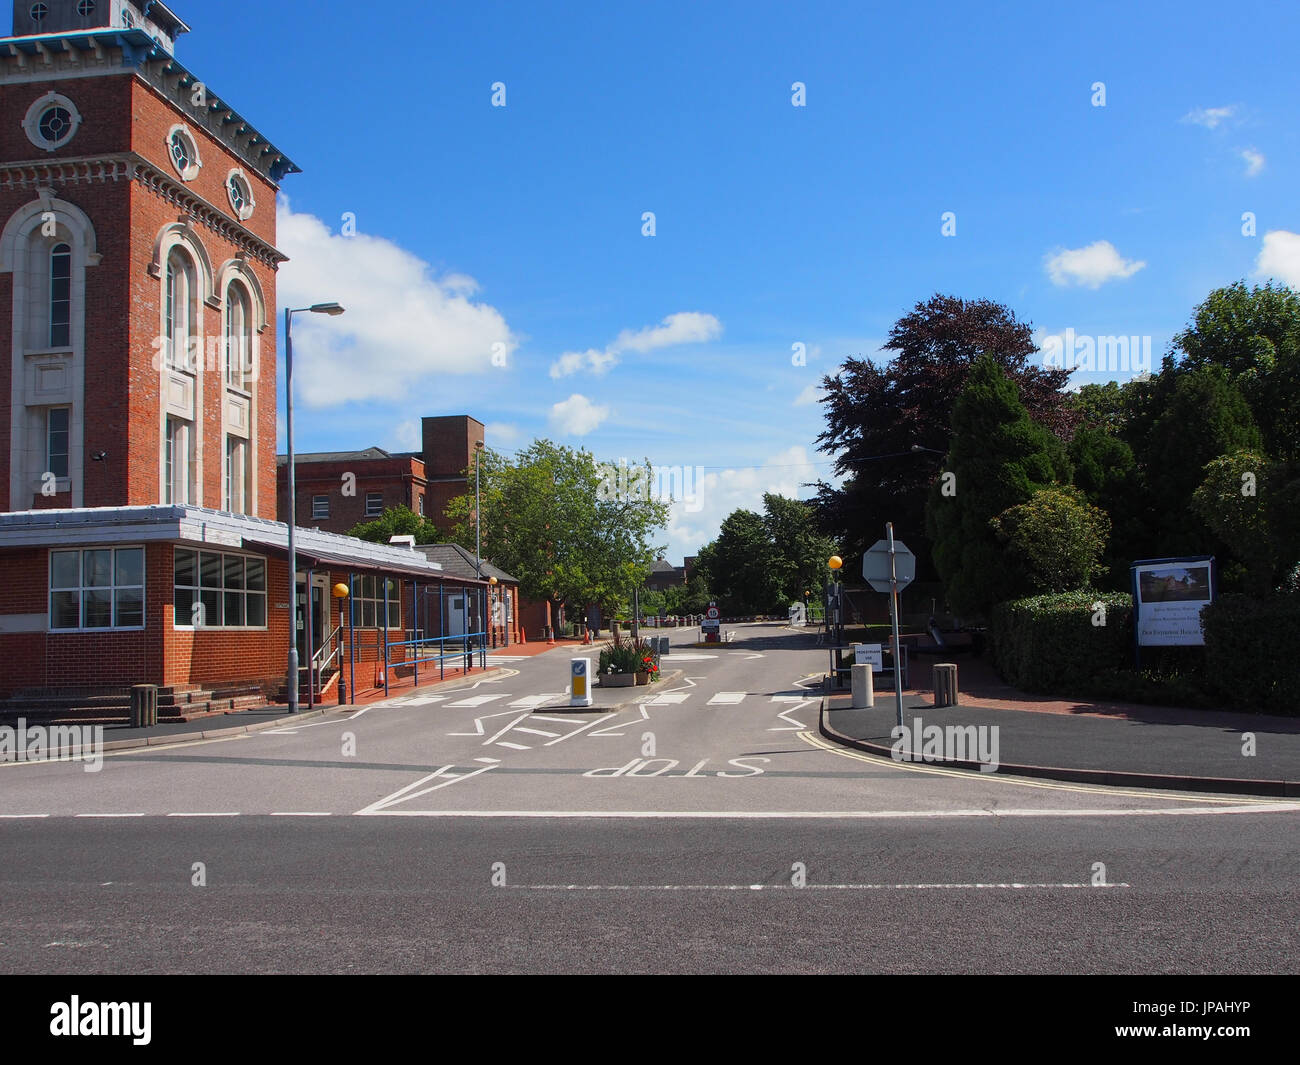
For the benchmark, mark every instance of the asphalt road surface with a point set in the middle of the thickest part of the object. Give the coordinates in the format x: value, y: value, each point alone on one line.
x: 702, y: 826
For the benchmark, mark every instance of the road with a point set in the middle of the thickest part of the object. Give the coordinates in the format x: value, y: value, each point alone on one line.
x: 704, y: 826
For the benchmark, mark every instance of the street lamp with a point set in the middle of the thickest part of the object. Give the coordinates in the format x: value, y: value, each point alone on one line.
x: 916, y: 448
x: 333, y: 310
x: 341, y: 592
x: 492, y: 608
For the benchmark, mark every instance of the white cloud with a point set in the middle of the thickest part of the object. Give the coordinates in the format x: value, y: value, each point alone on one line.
x: 1092, y: 266
x: 577, y: 415
x: 407, y: 436
x: 402, y: 326
x: 811, y: 394
x: 693, y: 522
x: 684, y: 327
x: 1209, y: 117
x: 501, y: 434
x: 1253, y: 159
x: 1279, y: 257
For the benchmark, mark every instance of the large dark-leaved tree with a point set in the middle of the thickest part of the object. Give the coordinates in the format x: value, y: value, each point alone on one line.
x: 999, y: 459
x: 876, y: 415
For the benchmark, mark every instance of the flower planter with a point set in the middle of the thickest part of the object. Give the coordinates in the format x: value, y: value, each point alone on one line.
x: 619, y: 680
x: 643, y: 678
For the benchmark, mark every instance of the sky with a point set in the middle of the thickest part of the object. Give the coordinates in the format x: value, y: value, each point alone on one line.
x: 650, y: 229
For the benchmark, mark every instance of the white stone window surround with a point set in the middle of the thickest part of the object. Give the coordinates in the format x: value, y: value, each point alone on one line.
x: 240, y: 405
x: 41, y: 377
x: 245, y: 212
x: 194, y: 161
x: 182, y: 386
x: 32, y: 123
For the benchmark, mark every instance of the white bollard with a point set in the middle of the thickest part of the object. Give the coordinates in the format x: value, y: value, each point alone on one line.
x: 864, y: 687
x: 580, y: 682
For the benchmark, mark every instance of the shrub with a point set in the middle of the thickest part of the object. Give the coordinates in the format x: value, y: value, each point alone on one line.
x: 1246, y: 656
x: 1051, y: 643
x: 628, y: 656
x: 1057, y: 539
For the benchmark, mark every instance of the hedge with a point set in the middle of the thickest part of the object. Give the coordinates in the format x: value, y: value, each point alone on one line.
x: 1251, y: 653
x: 1053, y: 643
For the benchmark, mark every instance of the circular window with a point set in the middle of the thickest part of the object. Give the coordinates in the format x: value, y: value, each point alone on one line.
x: 38, y: 12
x: 55, y: 124
x: 51, y: 121
x: 241, y: 195
x: 85, y: 7
x: 183, y: 151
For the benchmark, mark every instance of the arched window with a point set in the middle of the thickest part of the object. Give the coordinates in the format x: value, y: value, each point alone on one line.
x: 179, y: 313
x: 60, y: 296
x: 239, y: 337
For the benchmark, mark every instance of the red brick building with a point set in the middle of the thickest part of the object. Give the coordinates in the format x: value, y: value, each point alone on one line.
x: 138, y: 380
x: 338, y: 489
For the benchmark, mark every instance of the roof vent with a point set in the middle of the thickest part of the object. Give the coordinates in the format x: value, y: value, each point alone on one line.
x: 406, y: 541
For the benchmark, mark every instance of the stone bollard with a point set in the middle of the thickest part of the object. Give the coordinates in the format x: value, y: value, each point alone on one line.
x: 144, y: 705
x: 945, y: 684
x: 864, y: 687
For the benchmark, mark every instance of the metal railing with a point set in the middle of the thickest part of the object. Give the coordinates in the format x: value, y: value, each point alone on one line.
x: 470, y: 644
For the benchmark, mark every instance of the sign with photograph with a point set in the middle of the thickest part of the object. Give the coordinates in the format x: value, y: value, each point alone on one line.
x: 1168, y: 596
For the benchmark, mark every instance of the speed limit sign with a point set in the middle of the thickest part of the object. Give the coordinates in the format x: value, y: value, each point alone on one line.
x: 712, y: 613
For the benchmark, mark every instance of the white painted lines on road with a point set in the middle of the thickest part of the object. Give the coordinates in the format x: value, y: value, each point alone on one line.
x: 225, y: 814
x: 842, y: 815
x: 795, y: 725
x: 445, y: 778
x: 667, y: 699
x: 727, y: 699
x: 22, y: 817
x: 806, y: 887
x: 513, y: 746
x: 477, y: 700
x: 302, y: 813
x: 106, y: 816
x: 532, y: 702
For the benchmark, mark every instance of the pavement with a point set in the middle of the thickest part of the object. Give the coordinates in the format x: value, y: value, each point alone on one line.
x: 1107, y: 743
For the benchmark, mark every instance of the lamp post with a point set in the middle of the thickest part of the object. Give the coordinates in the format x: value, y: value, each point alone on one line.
x: 478, y: 522
x: 341, y: 593
x: 492, y: 608
x: 333, y: 310
x: 835, y: 564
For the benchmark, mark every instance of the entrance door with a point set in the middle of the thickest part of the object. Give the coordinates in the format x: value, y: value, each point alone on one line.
x: 318, y: 617
x: 456, y: 615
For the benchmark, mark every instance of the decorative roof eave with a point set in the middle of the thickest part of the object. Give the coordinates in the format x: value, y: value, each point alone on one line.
x: 158, y: 66
x: 131, y: 167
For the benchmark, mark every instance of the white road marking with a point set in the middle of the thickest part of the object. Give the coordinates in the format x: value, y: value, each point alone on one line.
x: 478, y: 700
x: 806, y: 887
x: 22, y: 817
x: 795, y: 725
x: 425, y: 700
x: 513, y: 746
x: 489, y: 761
x: 727, y: 699
x: 227, y: 814
x: 497, y: 735
x: 531, y: 702
x: 749, y: 655
x: 690, y: 657
x: 668, y: 699
x: 479, y: 730
x: 848, y: 815
x: 302, y: 813
x: 537, y: 732
x: 406, y: 794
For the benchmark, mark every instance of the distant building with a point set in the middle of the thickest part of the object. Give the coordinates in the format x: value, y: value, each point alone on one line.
x: 337, y: 490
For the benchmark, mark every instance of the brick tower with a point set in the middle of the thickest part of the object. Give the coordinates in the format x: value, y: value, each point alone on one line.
x: 137, y: 270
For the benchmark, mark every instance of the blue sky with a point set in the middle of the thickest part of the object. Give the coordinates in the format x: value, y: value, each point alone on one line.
x: 775, y: 225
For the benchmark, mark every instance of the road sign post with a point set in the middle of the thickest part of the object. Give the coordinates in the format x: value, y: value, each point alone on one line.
x: 890, y: 567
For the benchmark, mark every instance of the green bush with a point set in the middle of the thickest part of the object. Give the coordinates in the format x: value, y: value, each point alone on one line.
x: 1247, y: 660
x: 1054, y: 643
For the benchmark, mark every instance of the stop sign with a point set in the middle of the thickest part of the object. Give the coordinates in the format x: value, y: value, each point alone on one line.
x: 875, y: 565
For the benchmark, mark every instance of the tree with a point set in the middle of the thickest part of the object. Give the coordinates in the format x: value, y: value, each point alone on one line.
x: 799, y: 550
x: 547, y: 519
x: 741, y: 566
x: 1056, y: 539
x: 1253, y: 334
x: 1250, y: 504
x: 998, y: 459
x: 398, y: 521
x: 1182, y: 419
x: 876, y: 414
x: 1106, y: 472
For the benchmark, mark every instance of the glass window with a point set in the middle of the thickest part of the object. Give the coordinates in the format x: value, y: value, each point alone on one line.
x: 320, y: 506
x: 419, y: 502
x: 239, y: 345
x: 214, y: 590
x: 179, y: 294
x: 60, y: 290
x: 38, y: 12
x: 374, y: 504
x: 55, y: 124
x: 176, y: 461
x: 100, y: 588
x: 236, y: 475
x: 85, y: 8
x: 56, y: 441
x: 370, y: 603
